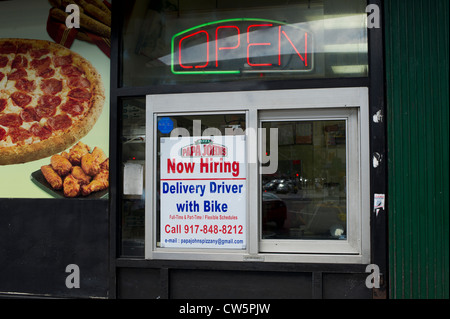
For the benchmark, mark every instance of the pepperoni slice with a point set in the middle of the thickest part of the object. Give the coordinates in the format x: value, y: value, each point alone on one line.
x: 80, y: 94
x: 78, y: 82
x: 18, y: 74
x: 51, y: 86
x: 38, y: 53
x: 24, y: 47
x: 1, y: 76
x: 19, y: 134
x: 41, y: 64
x: 73, y: 107
x: 21, y: 99
x: 40, y: 131
x: 50, y: 100
x: 2, y: 134
x: 3, y: 103
x: 45, y: 111
x: 46, y: 73
x: 19, y: 62
x: 10, y: 120
x: 62, y: 60
x: 8, y: 47
x: 3, y: 61
x: 25, y: 85
x: 59, y: 122
x: 29, y: 115
x: 70, y: 70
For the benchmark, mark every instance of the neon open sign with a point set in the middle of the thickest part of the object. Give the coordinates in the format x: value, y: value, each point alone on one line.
x: 242, y: 46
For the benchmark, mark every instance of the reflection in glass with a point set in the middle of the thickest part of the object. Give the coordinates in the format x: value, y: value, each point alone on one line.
x: 306, y: 197
x: 175, y: 42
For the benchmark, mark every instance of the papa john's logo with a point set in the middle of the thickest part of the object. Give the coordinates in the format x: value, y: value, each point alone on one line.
x: 204, y: 148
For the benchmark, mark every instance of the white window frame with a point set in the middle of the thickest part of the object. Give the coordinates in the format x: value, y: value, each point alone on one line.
x: 350, y: 245
x: 349, y: 103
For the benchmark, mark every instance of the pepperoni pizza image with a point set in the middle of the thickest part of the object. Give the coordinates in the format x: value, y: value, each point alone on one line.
x: 50, y: 97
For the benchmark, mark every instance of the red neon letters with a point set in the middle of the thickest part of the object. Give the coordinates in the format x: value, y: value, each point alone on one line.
x: 262, y: 48
x: 207, y: 50
x: 249, y: 44
x: 226, y: 48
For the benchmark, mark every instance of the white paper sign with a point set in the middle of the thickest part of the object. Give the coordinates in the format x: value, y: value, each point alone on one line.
x: 133, y: 179
x: 203, y: 192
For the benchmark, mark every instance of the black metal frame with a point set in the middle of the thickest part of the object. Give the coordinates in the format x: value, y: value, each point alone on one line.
x: 378, y: 176
x: 378, y: 146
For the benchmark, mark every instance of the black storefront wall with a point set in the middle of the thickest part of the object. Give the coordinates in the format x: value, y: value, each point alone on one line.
x: 37, y: 242
x: 39, y: 238
x: 231, y: 280
x: 169, y: 279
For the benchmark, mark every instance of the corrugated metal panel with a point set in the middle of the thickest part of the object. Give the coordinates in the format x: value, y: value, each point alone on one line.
x: 417, y: 70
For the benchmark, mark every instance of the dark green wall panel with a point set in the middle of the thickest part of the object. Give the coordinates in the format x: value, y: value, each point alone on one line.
x: 417, y: 71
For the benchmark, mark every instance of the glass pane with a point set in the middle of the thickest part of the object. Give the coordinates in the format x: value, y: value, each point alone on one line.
x: 194, y: 126
x: 306, y: 197
x: 133, y: 163
x: 175, y: 42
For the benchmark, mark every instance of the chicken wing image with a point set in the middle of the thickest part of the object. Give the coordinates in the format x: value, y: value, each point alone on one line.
x: 80, y: 175
x: 89, y: 165
x: 105, y: 164
x: 99, y: 183
x: 61, y: 165
x: 52, y: 177
x: 71, y: 186
x: 99, y: 155
x: 77, y: 152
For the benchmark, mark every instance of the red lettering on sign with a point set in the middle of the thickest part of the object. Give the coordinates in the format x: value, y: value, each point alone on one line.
x: 269, y: 47
x: 174, y: 167
x: 256, y: 44
x: 207, y: 50
x: 226, y: 48
x: 296, y: 51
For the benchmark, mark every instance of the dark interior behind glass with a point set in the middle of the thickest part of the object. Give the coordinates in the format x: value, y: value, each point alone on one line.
x: 268, y: 45
x: 306, y: 197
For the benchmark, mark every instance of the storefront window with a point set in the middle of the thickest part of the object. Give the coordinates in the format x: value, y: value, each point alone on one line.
x: 133, y: 162
x: 263, y: 175
x: 170, y: 42
x: 306, y: 197
x: 311, y: 203
x: 201, y: 181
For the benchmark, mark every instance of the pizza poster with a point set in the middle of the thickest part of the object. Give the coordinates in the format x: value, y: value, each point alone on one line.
x: 203, y: 191
x: 54, y: 102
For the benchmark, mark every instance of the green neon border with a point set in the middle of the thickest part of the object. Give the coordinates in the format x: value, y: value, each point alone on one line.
x: 207, y: 24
